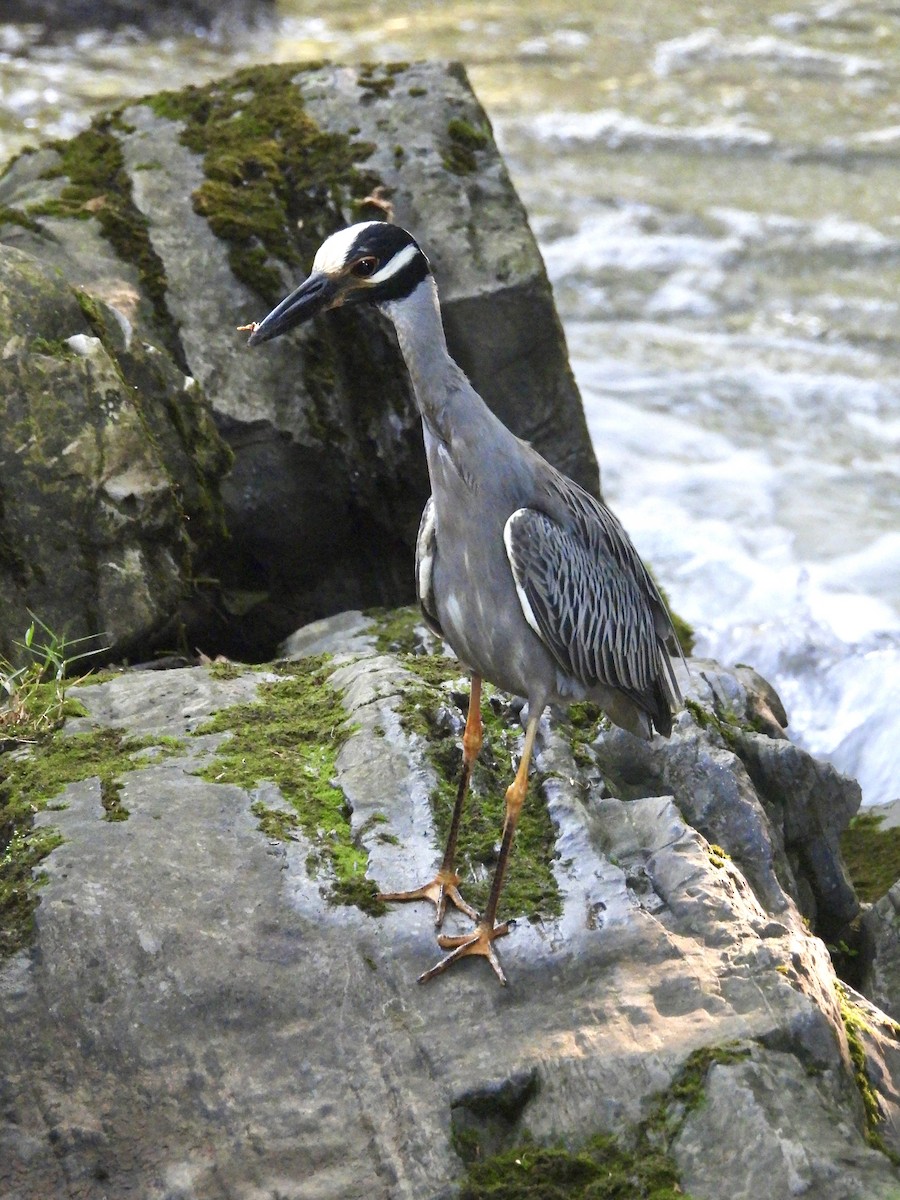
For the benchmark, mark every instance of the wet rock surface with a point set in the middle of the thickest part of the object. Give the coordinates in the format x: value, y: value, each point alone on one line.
x: 196, y: 1019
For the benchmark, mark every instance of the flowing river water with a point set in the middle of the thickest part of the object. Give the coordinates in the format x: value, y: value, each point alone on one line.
x: 715, y: 190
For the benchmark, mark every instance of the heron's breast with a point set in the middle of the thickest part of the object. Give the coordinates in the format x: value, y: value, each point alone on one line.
x: 482, y: 620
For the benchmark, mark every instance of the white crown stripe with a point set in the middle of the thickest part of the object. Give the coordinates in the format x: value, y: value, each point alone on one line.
x: 397, y: 263
x: 332, y: 255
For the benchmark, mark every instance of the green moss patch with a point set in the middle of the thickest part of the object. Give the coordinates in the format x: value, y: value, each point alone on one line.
x: 93, y: 314
x: 275, y: 183
x: 290, y: 735
x: 397, y: 629
x: 15, y: 216
x: 29, y: 783
x: 584, y: 721
x: 224, y: 669
x: 98, y: 186
x: 429, y: 710
x: 378, y: 79
x: 871, y: 855
x: 464, y: 141
x: 717, y: 856
x: 601, y: 1170
x: 55, y: 348
x: 24, y: 849
x: 730, y: 727
x: 856, y: 1027
x: 605, y: 1167
x: 687, y: 1091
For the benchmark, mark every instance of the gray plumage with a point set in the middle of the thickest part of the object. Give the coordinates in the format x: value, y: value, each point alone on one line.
x: 532, y: 581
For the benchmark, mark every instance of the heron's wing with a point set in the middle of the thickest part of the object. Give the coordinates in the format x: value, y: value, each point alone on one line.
x: 601, y: 528
x: 586, y: 602
x: 426, y: 557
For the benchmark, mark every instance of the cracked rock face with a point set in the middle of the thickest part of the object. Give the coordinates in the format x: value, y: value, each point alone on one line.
x: 195, y: 1019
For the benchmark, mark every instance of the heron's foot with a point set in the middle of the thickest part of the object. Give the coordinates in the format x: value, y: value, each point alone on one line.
x: 441, y: 891
x: 479, y: 941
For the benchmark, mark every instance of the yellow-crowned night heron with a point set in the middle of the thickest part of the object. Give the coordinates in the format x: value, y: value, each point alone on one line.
x: 532, y: 581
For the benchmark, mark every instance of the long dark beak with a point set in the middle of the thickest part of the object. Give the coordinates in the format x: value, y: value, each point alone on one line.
x: 313, y: 296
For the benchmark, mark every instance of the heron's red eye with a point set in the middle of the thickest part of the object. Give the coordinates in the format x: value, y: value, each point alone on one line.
x: 365, y: 267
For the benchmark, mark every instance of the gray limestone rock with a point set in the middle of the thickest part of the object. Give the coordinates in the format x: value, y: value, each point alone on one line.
x: 785, y: 809
x: 881, y: 924
x: 196, y: 1018
x: 773, y: 1128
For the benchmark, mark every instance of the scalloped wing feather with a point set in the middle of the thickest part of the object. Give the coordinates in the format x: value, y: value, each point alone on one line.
x: 595, y: 613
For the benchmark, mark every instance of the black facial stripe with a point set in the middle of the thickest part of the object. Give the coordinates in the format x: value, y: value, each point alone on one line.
x: 404, y: 282
x: 383, y: 240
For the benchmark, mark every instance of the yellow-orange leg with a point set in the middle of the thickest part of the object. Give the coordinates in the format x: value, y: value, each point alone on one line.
x: 481, y: 939
x: 443, y: 888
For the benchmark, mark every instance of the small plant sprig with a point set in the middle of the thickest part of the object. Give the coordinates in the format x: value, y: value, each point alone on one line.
x: 33, y: 696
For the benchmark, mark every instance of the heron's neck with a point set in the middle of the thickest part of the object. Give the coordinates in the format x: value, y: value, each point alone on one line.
x: 441, y: 388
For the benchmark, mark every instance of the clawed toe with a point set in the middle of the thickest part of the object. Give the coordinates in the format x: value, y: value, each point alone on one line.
x: 480, y: 941
x: 441, y: 891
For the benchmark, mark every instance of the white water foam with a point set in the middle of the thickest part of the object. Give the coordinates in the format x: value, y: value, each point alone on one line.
x: 705, y: 512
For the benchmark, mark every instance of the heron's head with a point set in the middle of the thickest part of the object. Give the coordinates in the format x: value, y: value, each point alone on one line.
x: 373, y: 262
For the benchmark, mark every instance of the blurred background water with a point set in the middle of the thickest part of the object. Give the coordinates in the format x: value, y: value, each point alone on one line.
x: 714, y: 188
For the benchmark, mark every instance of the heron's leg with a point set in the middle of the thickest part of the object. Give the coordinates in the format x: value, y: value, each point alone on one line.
x: 443, y: 889
x: 481, y: 939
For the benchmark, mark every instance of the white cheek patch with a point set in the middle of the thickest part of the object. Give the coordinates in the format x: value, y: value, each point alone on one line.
x: 332, y: 255
x: 393, y: 265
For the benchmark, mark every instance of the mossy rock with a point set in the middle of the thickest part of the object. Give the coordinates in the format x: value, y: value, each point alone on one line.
x: 198, y: 942
x: 639, y: 1167
x: 291, y: 735
x: 275, y: 183
x: 109, y: 468
x: 429, y: 710
x: 31, y: 783
x: 872, y: 855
